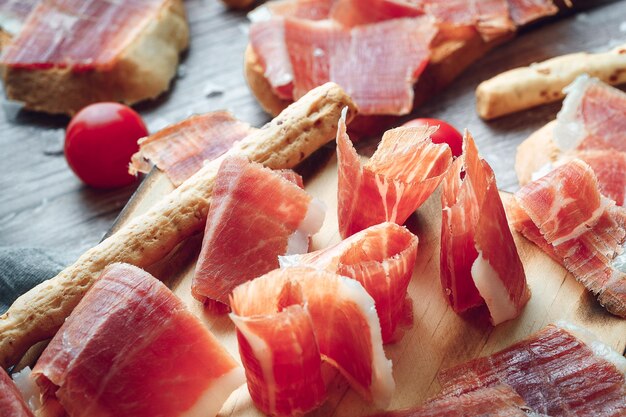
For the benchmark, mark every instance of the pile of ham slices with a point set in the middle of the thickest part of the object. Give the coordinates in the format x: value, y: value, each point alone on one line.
x: 304, y: 43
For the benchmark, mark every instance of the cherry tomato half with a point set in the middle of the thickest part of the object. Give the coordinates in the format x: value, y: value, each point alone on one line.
x: 445, y: 134
x: 99, y: 142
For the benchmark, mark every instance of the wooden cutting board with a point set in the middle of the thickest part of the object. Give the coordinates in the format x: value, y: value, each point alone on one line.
x: 439, y: 338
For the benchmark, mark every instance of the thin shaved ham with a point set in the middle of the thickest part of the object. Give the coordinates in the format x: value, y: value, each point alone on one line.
x: 321, y: 51
x: 131, y: 348
x: 381, y: 258
x: 609, y: 167
x: 302, y: 9
x: 278, y: 347
x: 555, y: 371
x: 267, y: 39
x: 181, y: 149
x: 499, y: 401
x: 490, y: 17
x: 12, y: 403
x: 585, y: 230
x: 403, y: 172
x: 593, y: 117
x: 526, y: 11
x: 255, y: 216
x: 344, y: 322
x: 13, y: 14
x: 82, y: 35
x: 479, y: 259
x: 352, y: 13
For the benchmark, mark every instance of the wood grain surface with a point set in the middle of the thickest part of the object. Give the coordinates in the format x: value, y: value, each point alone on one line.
x: 438, y: 338
x: 43, y: 204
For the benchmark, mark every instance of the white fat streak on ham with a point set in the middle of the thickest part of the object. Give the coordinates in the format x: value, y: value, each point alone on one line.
x: 262, y: 353
x: 28, y: 388
x: 210, y: 401
x: 492, y: 290
x: 596, y: 345
x: 383, y: 384
x: 311, y: 223
x: 569, y: 130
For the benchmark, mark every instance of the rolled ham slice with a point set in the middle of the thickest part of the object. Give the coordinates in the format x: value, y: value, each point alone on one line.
x: 403, y: 172
x: 343, y: 320
x: 479, y: 262
x: 132, y: 348
x: 564, y: 213
x: 256, y: 215
x: 381, y: 258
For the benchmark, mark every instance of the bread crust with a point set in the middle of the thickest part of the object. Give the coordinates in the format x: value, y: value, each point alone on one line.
x: 541, y: 83
x: 284, y: 142
x: 239, y: 4
x: 535, y: 152
x: 143, y: 70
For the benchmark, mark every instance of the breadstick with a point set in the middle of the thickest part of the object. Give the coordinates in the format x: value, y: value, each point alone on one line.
x: 525, y: 87
x: 293, y: 135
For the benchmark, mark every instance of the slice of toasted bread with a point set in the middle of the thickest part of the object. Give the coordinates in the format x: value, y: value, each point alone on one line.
x: 143, y: 70
x: 448, y: 59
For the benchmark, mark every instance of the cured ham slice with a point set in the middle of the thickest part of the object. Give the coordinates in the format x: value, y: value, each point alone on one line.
x: 62, y: 33
x: 593, y: 117
x: 321, y: 51
x: 181, y: 149
x: 583, y: 230
x: 131, y: 348
x: 490, y: 17
x: 255, y: 216
x: 12, y: 403
x: 302, y: 9
x: 403, y: 172
x: 352, y: 13
x: 278, y: 346
x: 13, y: 13
x: 343, y: 320
x: 526, y: 11
x: 499, y: 401
x: 479, y: 259
x: 559, y: 371
x: 381, y: 258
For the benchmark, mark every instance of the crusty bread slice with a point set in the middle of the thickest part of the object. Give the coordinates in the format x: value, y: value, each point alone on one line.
x: 142, y: 71
x: 448, y: 59
x: 536, y: 152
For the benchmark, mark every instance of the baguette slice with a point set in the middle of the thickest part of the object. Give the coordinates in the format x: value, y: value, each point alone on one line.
x: 541, y: 83
x: 141, y: 70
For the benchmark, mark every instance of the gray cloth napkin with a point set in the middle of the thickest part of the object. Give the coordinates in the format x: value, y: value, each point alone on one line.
x: 23, y: 268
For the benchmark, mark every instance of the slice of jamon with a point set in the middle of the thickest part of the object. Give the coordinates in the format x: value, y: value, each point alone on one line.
x: 12, y: 403
x: 278, y: 347
x: 352, y: 13
x: 381, y: 258
x: 609, y: 167
x: 302, y: 9
x: 321, y: 51
x: 490, y: 17
x: 585, y: 230
x: 499, y: 401
x: 344, y: 323
x: 83, y: 35
x: 526, y: 11
x: 404, y: 171
x: 559, y: 371
x: 13, y: 14
x: 131, y: 348
x: 593, y: 116
x: 256, y: 215
x: 181, y: 149
x: 479, y: 259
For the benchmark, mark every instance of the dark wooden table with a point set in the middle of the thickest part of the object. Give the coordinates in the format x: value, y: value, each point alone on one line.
x: 43, y: 204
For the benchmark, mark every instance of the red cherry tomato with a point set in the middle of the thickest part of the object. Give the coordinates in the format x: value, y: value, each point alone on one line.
x: 445, y: 134
x: 99, y: 142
